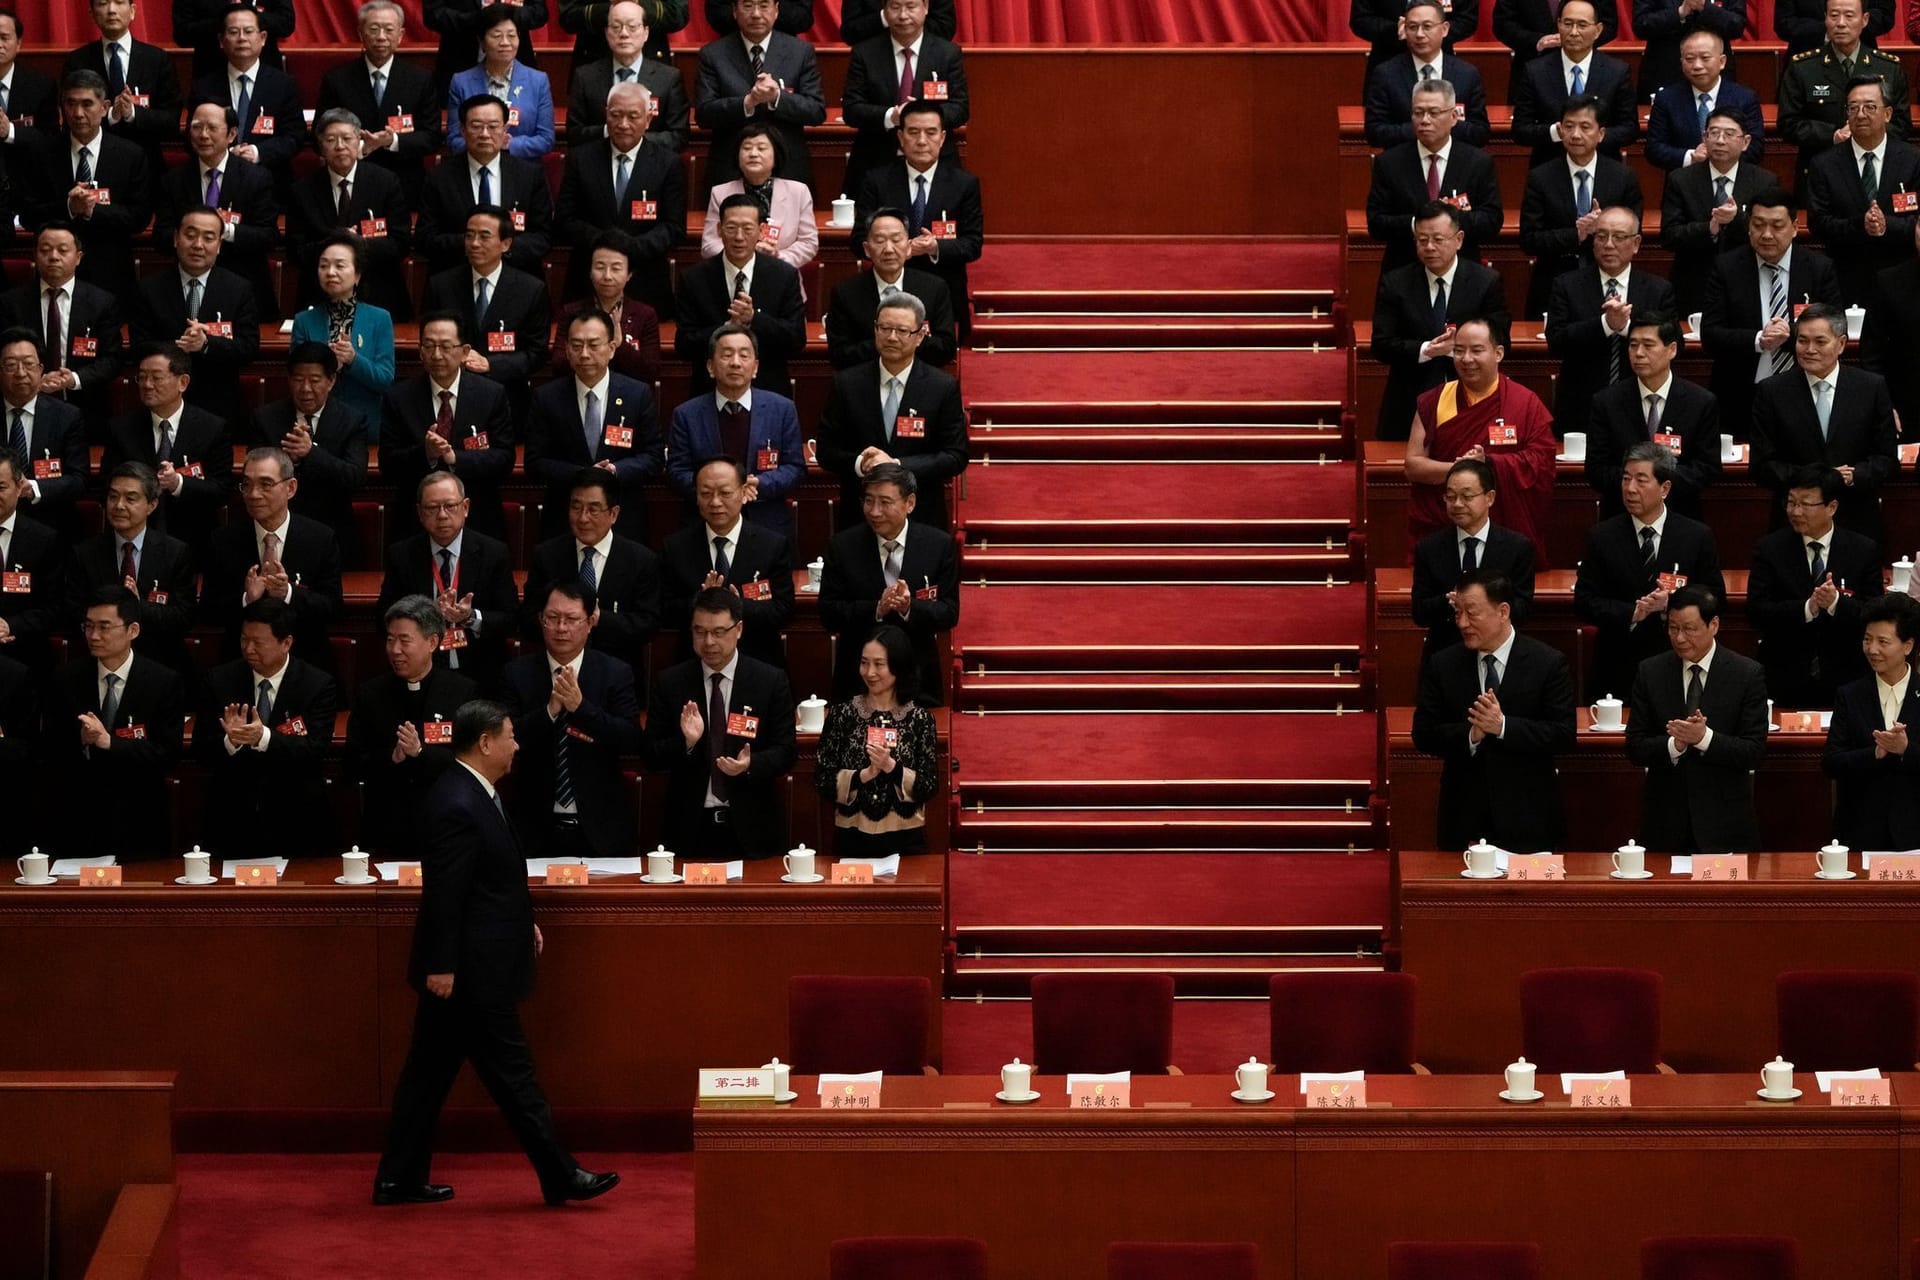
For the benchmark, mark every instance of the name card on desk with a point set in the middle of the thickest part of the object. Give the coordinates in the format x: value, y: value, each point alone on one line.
x: 851, y: 1095
x: 736, y: 1082
x: 409, y: 875
x: 1720, y: 867
x: 1800, y: 722
x: 1860, y: 1093
x: 706, y: 872
x: 1895, y: 866
x: 852, y: 873
x: 1100, y: 1092
x: 1909, y: 454
x: 1536, y: 866
x: 566, y: 873
x: 1587, y: 1092
x: 256, y: 877
x: 1343, y: 1095
x: 99, y: 877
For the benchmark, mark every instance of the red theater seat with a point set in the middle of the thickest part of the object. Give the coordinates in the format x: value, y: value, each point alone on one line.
x: 1453, y: 1260
x: 1719, y: 1258
x: 1103, y: 1022
x: 1182, y: 1260
x: 907, y: 1258
x: 1591, y: 1019
x: 854, y: 1024
x: 1343, y: 1022
x: 1849, y: 1019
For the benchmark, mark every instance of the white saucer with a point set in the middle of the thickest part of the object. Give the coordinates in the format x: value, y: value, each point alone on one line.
x: 1631, y: 875
x: 1483, y: 875
x: 1031, y: 1095
x: 1835, y: 875
x: 816, y: 878
x: 1241, y: 1095
x: 202, y: 880
x: 360, y: 880
x: 37, y: 884
x: 1788, y: 1096
x: 646, y: 879
x: 1602, y: 728
x: 1567, y: 457
x: 1532, y: 1096
x: 790, y: 1095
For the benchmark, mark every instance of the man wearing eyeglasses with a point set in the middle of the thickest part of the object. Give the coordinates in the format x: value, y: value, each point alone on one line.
x: 449, y: 420
x: 1805, y: 591
x: 274, y: 554
x: 130, y: 552
x: 1863, y: 195
x: 1543, y: 85
x: 1589, y: 312
x: 623, y: 574
x: 1389, y: 97
x: 1813, y: 86
x: 466, y: 573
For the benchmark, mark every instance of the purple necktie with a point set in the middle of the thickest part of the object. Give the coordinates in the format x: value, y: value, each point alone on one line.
x: 213, y: 188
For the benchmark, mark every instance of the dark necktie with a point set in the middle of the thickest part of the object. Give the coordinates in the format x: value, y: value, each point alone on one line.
x: 110, y: 705
x: 1469, y: 555
x: 263, y: 704
x: 621, y: 175
x: 716, y: 737
x: 1616, y: 344
x: 193, y: 299
x: 1653, y: 416
x: 1781, y: 357
x: 1647, y: 553
x: 589, y: 577
x: 83, y: 166
x: 379, y: 88
x: 733, y: 431
x: 165, y: 452
x: 1492, y: 683
x: 1582, y: 194
x: 1696, y: 685
x: 1870, y: 178
x: 562, y: 759
x: 127, y: 571
x: 1819, y: 562
x: 1433, y: 176
x: 443, y: 425
x: 1706, y: 109
x: 446, y: 569
x: 757, y: 61
x: 56, y: 345
x: 906, y: 76
x: 1720, y: 191
x: 345, y: 208
x: 116, y: 71
x: 17, y: 438
x: 480, y: 294
x: 245, y: 108
x: 741, y: 284
x: 1439, y: 306
x: 919, y: 203
x: 720, y: 562
x: 486, y: 185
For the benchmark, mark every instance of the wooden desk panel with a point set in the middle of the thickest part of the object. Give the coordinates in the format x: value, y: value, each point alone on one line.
x: 1720, y: 948
x: 278, y: 1004
x: 1601, y: 789
x: 96, y: 1132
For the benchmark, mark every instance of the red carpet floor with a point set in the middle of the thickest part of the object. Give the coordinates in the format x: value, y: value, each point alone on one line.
x: 1035, y: 749
x: 307, y: 1217
x: 1093, y: 378
x: 1163, y: 265
x: 1012, y: 618
x: 1055, y: 496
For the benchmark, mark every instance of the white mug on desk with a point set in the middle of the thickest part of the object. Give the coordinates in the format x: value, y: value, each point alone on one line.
x: 1606, y: 713
x: 33, y: 868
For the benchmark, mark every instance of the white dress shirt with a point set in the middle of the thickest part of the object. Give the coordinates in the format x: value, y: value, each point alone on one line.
x: 706, y: 701
x: 253, y: 686
x: 553, y: 670
x: 1674, y: 749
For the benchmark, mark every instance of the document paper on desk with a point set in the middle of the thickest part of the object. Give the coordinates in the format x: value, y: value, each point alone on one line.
x: 614, y: 866
x: 227, y: 868
x: 1682, y: 864
x: 1568, y: 1077
x: 390, y: 871
x: 1825, y: 1079
x: 887, y: 866
x: 74, y: 866
x: 1308, y: 1077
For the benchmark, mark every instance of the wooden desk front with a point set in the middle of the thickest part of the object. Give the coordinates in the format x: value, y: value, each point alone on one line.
x: 1719, y: 946
x: 1601, y: 789
x: 1322, y: 1193
x: 289, y: 1006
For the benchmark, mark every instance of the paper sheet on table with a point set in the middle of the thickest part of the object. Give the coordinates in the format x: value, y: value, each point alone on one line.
x: 1866, y: 859
x: 615, y: 866
x: 279, y: 865
x: 74, y: 866
x: 390, y: 871
x: 735, y: 869
x: 1682, y: 864
x: 887, y: 866
x: 537, y: 867
x: 1826, y: 720
x: 1308, y: 1077
x: 863, y: 1077
x: 1088, y: 1077
x: 1568, y: 1077
x: 1825, y: 1079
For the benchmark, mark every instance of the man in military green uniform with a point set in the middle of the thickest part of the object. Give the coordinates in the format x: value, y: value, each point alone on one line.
x: 1813, y: 85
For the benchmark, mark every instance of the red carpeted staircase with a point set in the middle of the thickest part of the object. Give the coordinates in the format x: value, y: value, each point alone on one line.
x: 1166, y: 739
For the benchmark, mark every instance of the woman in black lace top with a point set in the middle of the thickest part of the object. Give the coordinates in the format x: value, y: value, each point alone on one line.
x: 877, y: 756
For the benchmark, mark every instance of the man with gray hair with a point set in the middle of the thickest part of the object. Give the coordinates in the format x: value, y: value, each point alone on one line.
x: 400, y: 730
x: 274, y: 554
x: 629, y: 183
x: 392, y: 98
x: 1434, y: 166
x: 1633, y: 562
x: 350, y: 192
x: 624, y: 63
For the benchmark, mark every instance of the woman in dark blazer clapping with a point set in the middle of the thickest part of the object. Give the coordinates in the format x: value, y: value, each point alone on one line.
x: 1873, y: 744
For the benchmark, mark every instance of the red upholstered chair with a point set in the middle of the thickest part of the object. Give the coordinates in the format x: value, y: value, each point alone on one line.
x: 858, y: 1024
x: 907, y: 1258
x: 1849, y: 1019
x: 1343, y: 1022
x: 1182, y: 1260
x: 1719, y: 1258
x: 1458, y: 1260
x: 1100, y: 1022
x: 1593, y: 1019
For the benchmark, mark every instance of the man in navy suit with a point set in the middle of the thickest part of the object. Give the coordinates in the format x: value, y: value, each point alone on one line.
x: 897, y: 410
x: 1874, y: 767
x: 1496, y: 708
x: 80, y: 339
x: 99, y: 180
x: 1389, y: 97
x: 487, y: 175
x: 885, y: 72
x: 720, y: 726
x: 649, y: 210
x: 890, y: 569
x: 474, y: 945
x: 942, y: 201
x: 1654, y: 406
x: 206, y: 311
x: 131, y: 549
x: 725, y: 550
x: 596, y: 418
x: 624, y: 574
x: 1531, y: 28
x: 1474, y: 542
x: 1564, y: 198
x: 1805, y: 591
x: 742, y: 286
x: 1703, y: 206
x: 578, y: 714
x: 393, y: 99
x: 449, y: 420
x: 1590, y: 311
x: 1633, y: 564
x: 48, y: 434
x: 1434, y: 166
x: 1663, y: 24
x: 757, y: 428
x: 241, y: 192
x: 265, y: 99
x: 1676, y: 129
x: 188, y: 448
x: 467, y: 575
x: 1546, y: 82
x: 140, y: 95
x: 759, y: 74
x: 506, y: 317
x: 274, y: 554
x: 856, y: 300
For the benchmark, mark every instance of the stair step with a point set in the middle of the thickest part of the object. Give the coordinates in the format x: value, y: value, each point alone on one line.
x: 1140, y: 690
x: 1000, y: 302
x: 987, y: 409
x: 1154, y: 828
x: 1066, y: 442
x: 996, y: 561
x: 1215, y: 502
x: 1193, y: 978
x: 1146, y: 333
x: 1295, y: 628
x: 979, y: 943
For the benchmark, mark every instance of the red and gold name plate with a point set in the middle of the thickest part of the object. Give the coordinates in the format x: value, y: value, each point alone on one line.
x: 1536, y: 866
x: 1601, y: 1093
x: 566, y: 873
x: 409, y: 875
x: 1343, y: 1095
x: 1895, y: 866
x: 1720, y: 867
x: 851, y: 1095
x: 1100, y: 1095
x: 256, y: 877
x: 1861, y: 1093
x: 851, y: 873
x: 706, y: 873
x: 99, y: 877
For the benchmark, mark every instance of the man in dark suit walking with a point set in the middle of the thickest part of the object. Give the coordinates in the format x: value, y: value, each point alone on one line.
x: 78, y: 324
x: 623, y: 574
x: 856, y: 300
x: 113, y: 733
x: 1862, y: 196
x: 506, y: 317
x: 132, y: 553
x: 472, y: 962
x: 274, y: 554
x: 622, y: 58
x: 726, y: 550
x: 48, y: 435
x: 400, y: 731
x: 721, y: 728
x: 1544, y: 83
x: 139, y: 94
x: 1434, y: 166
x: 578, y: 714
x: 487, y: 175
x: 596, y: 418
x: 742, y: 286
x: 468, y: 576
x: 206, y: 311
x: 942, y: 200
x: 1417, y: 308
x: 1874, y: 767
x: 187, y: 447
x: 392, y: 98
x: 1703, y: 207
x: 374, y: 206
x: 1590, y: 311
x: 1654, y: 406
x: 1805, y: 592
x: 242, y: 193
x: 759, y: 74
x: 1752, y: 296
x: 625, y: 181
x: 1566, y: 197
x: 1697, y: 723
x: 1496, y: 708
x: 1820, y: 412
x: 1682, y: 110
x: 896, y: 410
x: 886, y: 72
x: 891, y: 569
x: 98, y: 180
x: 264, y: 730
x: 325, y: 438
x: 1634, y: 562
x: 758, y: 429
x: 1474, y: 542
x: 449, y: 420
